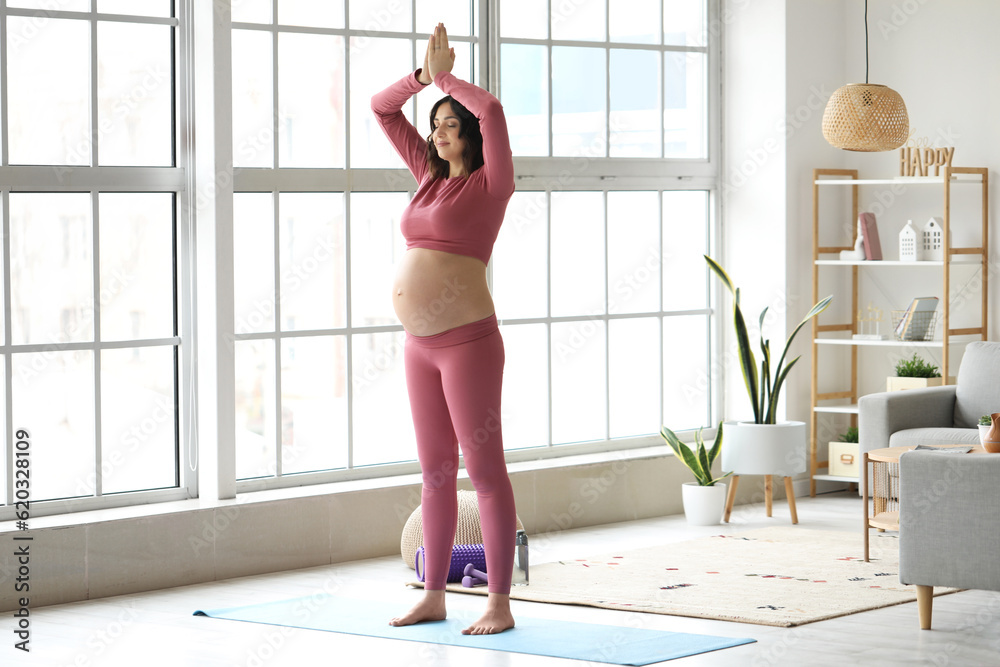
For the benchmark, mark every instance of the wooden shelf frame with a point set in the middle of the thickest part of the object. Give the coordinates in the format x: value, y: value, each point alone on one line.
x: 957, y: 256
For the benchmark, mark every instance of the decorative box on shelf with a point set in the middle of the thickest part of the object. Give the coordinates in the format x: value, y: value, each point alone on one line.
x: 895, y: 383
x: 844, y: 458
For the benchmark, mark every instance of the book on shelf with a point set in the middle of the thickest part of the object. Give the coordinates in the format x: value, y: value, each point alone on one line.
x: 869, y: 231
x: 917, y: 318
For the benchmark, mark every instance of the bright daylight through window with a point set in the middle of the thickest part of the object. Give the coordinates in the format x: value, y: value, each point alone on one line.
x: 91, y: 347
x: 597, y: 277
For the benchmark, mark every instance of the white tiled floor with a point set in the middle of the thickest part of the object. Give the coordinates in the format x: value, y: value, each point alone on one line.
x: 158, y: 628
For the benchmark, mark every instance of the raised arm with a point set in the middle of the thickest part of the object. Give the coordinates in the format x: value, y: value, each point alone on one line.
x: 497, y: 161
x: 498, y: 164
x: 406, y: 139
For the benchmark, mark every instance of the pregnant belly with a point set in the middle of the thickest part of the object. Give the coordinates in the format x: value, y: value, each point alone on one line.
x: 435, y: 291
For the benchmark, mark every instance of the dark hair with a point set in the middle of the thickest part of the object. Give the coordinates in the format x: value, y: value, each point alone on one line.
x: 468, y: 129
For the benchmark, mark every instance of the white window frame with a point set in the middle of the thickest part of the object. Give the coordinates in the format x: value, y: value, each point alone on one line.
x: 536, y: 173
x: 204, y: 182
x: 94, y: 180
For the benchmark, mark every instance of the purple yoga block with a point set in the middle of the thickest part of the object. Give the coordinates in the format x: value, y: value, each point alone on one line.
x: 461, y: 555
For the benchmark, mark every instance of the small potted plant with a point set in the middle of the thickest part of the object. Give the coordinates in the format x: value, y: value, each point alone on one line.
x: 844, y: 454
x: 914, y: 373
x: 705, y: 498
x: 985, y: 424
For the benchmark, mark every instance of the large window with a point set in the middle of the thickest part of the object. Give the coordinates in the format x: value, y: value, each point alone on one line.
x: 597, y: 79
x: 605, y: 314
x: 597, y: 275
x: 599, y: 283
x: 91, y: 349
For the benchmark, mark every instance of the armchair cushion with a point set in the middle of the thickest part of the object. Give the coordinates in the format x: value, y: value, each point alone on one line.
x: 978, y: 378
x: 883, y: 414
x: 912, y: 437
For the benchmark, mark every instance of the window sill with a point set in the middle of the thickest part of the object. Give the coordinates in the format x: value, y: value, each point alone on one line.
x: 529, y: 463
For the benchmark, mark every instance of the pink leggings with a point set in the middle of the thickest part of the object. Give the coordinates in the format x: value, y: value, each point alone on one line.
x: 454, y: 380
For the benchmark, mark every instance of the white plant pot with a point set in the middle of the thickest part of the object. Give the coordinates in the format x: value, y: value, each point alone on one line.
x: 984, y: 430
x: 703, y: 505
x: 764, y: 449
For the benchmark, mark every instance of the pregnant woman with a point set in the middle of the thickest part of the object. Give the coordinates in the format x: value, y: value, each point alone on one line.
x: 454, y: 355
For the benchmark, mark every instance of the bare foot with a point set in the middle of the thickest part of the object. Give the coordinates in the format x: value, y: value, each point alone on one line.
x: 430, y: 608
x: 497, y: 617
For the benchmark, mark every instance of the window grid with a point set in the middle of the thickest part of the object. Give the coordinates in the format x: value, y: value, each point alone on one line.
x: 608, y: 45
x: 328, y: 180
x: 92, y: 181
x: 662, y: 315
x: 279, y: 180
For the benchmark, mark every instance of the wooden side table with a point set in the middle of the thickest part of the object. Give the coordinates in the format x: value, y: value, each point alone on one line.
x: 885, y: 495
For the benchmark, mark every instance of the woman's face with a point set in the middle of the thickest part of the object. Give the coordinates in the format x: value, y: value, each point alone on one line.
x: 445, y: 136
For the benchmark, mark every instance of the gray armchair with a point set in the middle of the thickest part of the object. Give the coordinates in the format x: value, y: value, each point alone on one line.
x: 949, y: 507
x: 936, y: 415
x: 949, y: 533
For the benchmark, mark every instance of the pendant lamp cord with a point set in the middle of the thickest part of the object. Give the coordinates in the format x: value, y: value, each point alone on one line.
x: 866, y: 42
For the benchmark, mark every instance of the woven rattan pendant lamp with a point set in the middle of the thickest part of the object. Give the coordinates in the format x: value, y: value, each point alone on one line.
x: 866, y: 116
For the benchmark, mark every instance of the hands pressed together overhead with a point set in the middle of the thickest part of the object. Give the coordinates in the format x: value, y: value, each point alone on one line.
x: 439, y: 57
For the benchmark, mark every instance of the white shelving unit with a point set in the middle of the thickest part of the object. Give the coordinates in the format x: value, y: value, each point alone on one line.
x: 846, y: 401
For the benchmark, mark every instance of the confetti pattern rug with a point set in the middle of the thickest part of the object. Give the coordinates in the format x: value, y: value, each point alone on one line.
x: 783, y: 576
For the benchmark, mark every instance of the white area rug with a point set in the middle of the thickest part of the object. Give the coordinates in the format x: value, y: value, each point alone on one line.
x: 781, y: 576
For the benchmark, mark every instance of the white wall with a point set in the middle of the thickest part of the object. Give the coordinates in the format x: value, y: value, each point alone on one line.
x: 781, y: 62
x: 940, y: 56
x: 753, y: 184
x: 782, y: 59
x: 814, y: 68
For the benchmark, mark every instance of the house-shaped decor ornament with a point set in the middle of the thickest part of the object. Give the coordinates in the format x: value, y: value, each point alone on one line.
x: 932, y: 241
x: 908, y: 243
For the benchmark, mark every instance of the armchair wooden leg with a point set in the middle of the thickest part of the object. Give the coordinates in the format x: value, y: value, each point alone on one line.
x: 731, y: 496
x: 925, y: 600
x: 768, y: 492
x: 790, y: 492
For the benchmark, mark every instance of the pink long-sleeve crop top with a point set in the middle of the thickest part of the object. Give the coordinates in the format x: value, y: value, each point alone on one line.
x: 456, y: 215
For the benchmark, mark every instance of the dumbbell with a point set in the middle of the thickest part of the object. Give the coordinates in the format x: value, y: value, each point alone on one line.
x: 473, y: 577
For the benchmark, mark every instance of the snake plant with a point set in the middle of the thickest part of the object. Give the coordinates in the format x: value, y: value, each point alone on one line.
x: 765, y: 388
x: 698, y: 459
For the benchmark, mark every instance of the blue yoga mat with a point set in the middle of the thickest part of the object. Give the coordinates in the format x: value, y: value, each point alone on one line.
x: 558, y: 639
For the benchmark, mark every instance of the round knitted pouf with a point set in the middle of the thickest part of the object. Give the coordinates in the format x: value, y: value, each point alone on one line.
x: 468, y: 531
